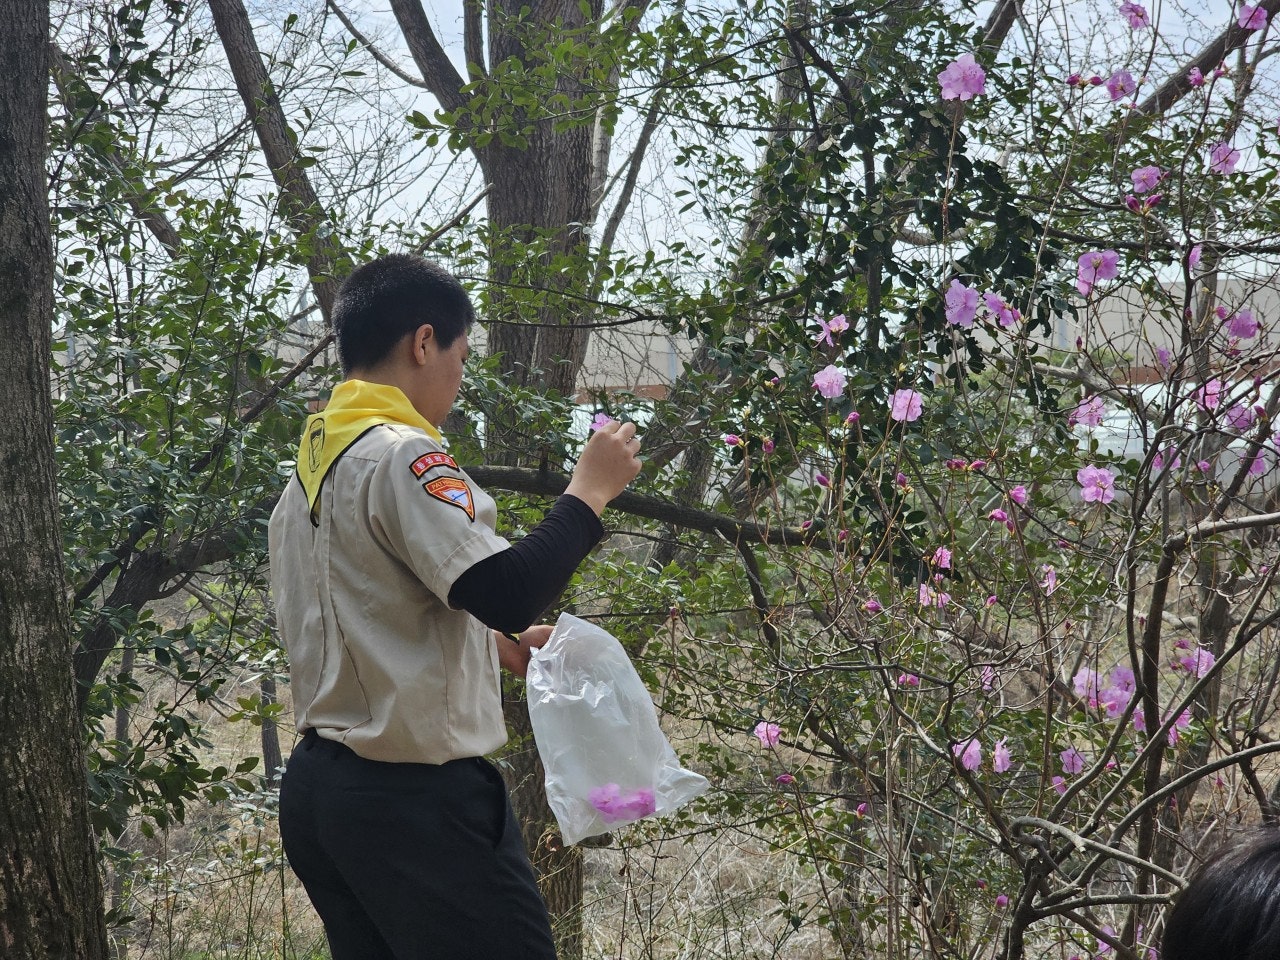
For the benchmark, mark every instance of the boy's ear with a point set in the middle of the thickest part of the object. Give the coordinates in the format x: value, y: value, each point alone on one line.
x: 421, y: 337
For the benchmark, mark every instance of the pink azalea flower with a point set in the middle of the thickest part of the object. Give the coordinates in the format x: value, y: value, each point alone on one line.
x: 1019, y: 495
x: 1085, y: 684
x: 731, y: 439
x: 600, y: 420
x: 1000, y: 758
x: 1163, y: 357
x: 1243, y: 325
x: 1200, y: 662
x: 1257, y: 465
x: 1183, y: 721
x: 901, y: 480
x: 1170, y: 456
x: 1072, y: 761
x: 1210, y: 395
x: 929, y: 597
x: 961, y: 304
x: 1149, y: 201
x: 784, y: 779
x: 905, y: 406
x: 1001, y: 902
x: 1050, y: 581
x: 852, y: 418
x: 1121, y: 84
x: 767, y: 446
x: 1204, y: 466
x: 872, y: 606
x: 767, y: 733
x: 837, y: 325
x: 1146, y: 179
x: 1089, y: 413
x: 1223, y: 158
x: 988, y: 680
x: 822, y: 480
x: 1113, y: 701
x: 1005, y: 314
x: 1136, y: 14
x: 992, y: 600
x: 969, y: 753
x: 615, y: 806
x: 1095, y: 484
x: 830, y: 381
x: 1059, y: 786
x: 963, y: 79
x: 1103, y: 946
x: 942, y: 558
x: 998, y: 515
x: 1195, y: 77
x: 1095, y: 266
x: 1193, y: 258
x: 1240, y: 417
x: 1251, y: 17
x: 908, y: 680
x: 1122, y: 679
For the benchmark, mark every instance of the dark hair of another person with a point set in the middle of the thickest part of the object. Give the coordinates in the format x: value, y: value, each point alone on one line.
x: 1231, y: 907
x: 386, y: 299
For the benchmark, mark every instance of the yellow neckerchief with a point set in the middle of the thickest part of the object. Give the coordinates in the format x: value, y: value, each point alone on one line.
x: 354, y: 408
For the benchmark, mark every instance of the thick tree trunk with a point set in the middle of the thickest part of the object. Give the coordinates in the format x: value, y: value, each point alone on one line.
x: 50, y: 889
x: 539, y: 197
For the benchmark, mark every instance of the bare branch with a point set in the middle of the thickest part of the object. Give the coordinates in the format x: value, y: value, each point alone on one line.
x: 524, y: 480
x: 438, y: 72
x: 1178, y: 85
x: 298, y: 199
x: 141, y: 204
x: 374, y: 52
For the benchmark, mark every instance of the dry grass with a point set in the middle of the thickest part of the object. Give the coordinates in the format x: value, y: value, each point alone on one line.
x: 217, y: 887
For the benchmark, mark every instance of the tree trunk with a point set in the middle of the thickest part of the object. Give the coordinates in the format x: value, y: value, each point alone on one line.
x: 558, y: 868
x: 324, y: 258
x: 539, y: 198
x: 50, y: 889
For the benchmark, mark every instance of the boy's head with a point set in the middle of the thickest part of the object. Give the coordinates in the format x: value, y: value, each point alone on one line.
x: 386, y: 299
x: 1231, y: 907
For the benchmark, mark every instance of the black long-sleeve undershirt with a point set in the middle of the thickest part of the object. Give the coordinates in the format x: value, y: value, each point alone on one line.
x: 510, y: 589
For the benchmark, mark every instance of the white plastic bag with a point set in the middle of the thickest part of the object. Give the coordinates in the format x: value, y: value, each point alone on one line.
x: 607, y: 762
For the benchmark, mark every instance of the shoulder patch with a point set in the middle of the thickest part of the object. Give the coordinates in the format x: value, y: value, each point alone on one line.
x: 429, y: 460
x: 454, y: 492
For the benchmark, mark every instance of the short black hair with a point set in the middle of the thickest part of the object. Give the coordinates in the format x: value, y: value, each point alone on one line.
x: 1231, y: 906
x: 386, y: 299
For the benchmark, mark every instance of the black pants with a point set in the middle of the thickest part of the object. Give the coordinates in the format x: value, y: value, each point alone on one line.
x: 410, y: 861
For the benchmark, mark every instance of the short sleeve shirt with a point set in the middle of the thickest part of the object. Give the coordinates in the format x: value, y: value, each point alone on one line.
x: 378, y: 659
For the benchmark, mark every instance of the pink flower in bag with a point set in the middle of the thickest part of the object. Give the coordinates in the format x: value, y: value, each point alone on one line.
x: 615, y: 806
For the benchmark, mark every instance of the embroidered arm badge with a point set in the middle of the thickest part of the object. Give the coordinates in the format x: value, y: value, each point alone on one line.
x: 454, y: 492
x: 429, y: 460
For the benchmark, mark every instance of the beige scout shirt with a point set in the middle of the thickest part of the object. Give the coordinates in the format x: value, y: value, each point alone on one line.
x: 378, y: 659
